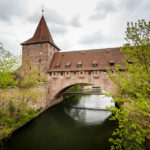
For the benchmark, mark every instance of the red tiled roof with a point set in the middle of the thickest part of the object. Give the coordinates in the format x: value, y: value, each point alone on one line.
x: 41, y: 34
x: 103, y: 57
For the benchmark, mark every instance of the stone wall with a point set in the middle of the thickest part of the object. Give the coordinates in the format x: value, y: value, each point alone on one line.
x: 58, y: 82
x: 41, y: 54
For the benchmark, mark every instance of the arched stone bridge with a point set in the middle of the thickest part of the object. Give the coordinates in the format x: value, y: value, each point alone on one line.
x: 58, y: 83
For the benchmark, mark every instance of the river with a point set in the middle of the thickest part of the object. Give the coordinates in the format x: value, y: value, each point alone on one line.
x: 78, y: 123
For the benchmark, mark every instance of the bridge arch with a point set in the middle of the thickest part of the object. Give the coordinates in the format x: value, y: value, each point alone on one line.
x: 58, y: 85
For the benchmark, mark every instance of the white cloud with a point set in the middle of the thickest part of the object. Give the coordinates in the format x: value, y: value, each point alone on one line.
x: 19, y: 19
x: 75, y: 22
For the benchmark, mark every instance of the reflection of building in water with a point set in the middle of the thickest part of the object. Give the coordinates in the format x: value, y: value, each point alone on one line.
x: 92, y: 115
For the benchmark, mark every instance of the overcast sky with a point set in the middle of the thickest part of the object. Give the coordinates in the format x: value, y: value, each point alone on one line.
x: 74, y: 24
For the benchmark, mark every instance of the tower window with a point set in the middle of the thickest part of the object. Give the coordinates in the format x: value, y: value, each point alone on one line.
x: 40, y: 60
x: 28, y: 53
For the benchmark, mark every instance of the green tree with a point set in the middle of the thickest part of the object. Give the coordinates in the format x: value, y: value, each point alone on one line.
x: 8, y: 63
x: 133, y: 89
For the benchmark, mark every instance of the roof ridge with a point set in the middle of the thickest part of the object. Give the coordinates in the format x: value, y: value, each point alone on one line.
x: 90, y: 50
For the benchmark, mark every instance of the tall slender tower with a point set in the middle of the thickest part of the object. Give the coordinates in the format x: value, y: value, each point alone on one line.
x: 40, y: 49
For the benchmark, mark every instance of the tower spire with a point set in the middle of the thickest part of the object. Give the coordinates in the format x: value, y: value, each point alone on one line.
x: 41, y: 34
x: 42, y: 9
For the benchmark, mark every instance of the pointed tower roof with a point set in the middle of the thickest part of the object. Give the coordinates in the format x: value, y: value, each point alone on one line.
x: 41, y: 34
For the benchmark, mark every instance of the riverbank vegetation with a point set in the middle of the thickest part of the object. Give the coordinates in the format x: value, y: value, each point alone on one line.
x: 20, y: 93
x: 133, y: 90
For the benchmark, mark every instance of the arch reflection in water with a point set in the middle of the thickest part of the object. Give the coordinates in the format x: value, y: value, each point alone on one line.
x: 90, y: 109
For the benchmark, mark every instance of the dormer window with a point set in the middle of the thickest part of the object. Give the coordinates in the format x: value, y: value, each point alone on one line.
x: 95, y: 64
x: 57, y: 66
x: 111, y: 63
x: 79, y: 64
x: 68, y: 65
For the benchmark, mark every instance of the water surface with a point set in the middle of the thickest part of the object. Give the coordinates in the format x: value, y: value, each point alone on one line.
x: 64, y: 128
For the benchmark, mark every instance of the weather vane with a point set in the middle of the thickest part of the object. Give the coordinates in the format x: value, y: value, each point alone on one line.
x: 42, y: 9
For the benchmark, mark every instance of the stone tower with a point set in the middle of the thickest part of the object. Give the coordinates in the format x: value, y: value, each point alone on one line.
x: 39, y: 50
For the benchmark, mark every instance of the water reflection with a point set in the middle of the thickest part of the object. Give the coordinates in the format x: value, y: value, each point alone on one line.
x: 89, y: 109
x: 59, y: 128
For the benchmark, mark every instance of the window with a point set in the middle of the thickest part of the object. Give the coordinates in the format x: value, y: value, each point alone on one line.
x: 79, y: 64
x: 74, y: 73
x: 27, y: 46
x: 81, y: 72
x: 34, y: 46
x: 40, y: 53
x: 105, y: 72
x: 111, y: 63
x: 50, y: 73
x: 89, y: 72
x: 28, y: 53
x: 40, y: 60
x: 57, y: 66
x: 96, y: 72
x: 68, y: 65
x: 30, y: 67
x: 95, y: 64
x: 38, y: 74
x: 54, y: 73
x: 130, y: 62
x: 42, y: 45
x: 67, y: 73
x: 61, y: 73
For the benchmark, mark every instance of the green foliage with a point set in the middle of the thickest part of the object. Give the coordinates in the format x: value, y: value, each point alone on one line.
x: 7, y: 80
x: 133, y: 90
x: 8, y: 63
x: 12, y: 108
x: 17, y: 104
x: 32, y: 79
